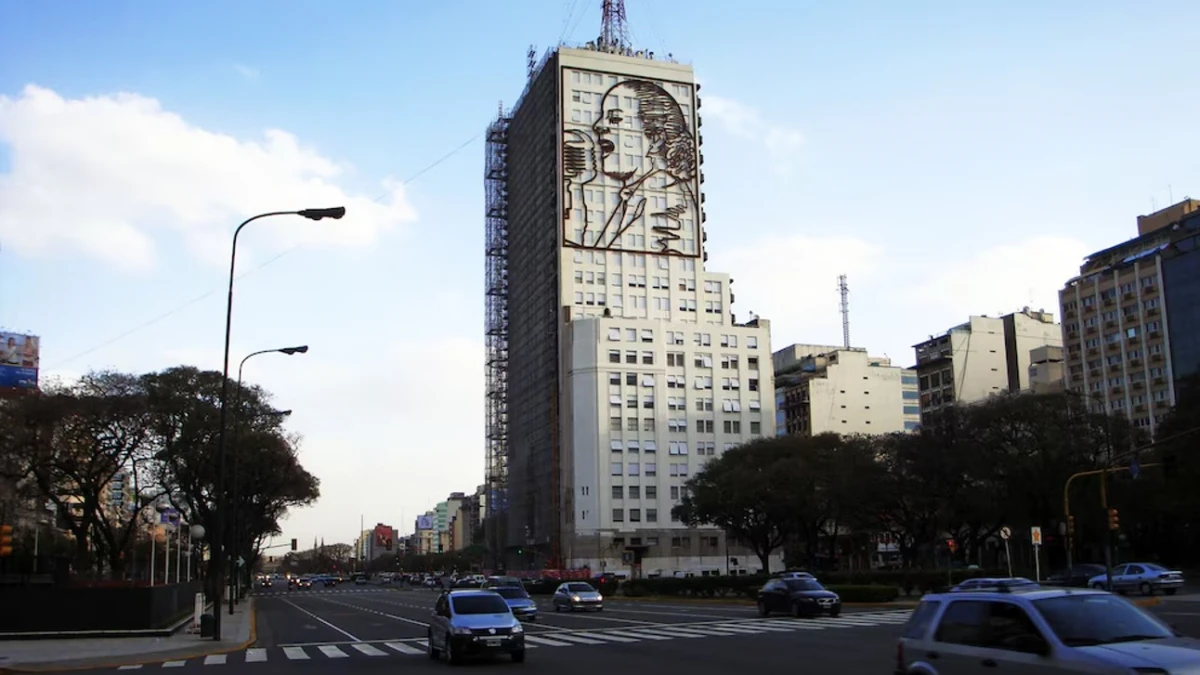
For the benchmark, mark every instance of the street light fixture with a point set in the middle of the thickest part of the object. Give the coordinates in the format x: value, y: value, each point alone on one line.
x: 237, y: 410
x: 218, y: 553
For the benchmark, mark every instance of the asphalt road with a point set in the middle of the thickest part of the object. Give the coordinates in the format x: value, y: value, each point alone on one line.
x: 379, y: 628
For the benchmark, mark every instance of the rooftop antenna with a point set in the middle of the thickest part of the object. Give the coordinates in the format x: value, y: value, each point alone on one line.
x: 844, y: 290
x: 530, y: 61
x: 614, y: 34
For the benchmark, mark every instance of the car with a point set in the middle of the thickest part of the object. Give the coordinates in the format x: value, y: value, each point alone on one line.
x: 304, y: 582
x: 574, y: 595
x: 266, y: 582
x: 1077, y: 576
x: 523, y: 607
x: 996, y: 583
x: 798, y: 596
x: 470, y: 623
x: 1039, y: 631
x: 1146, y: 578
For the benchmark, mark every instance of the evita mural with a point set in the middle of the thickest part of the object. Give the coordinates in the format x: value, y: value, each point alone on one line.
x: 658, y: 189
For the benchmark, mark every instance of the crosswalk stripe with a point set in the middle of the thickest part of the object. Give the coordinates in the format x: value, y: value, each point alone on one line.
x: 575, y: 638
x: 215, y: 659
x: 676, y: 632
x: 333, y: 652
x: 256, y: 655
x: 545, y: 641
x: 728, y: 629
x: 637, y: 635
x: 608, y: 636
x: 778, y: 629
x: 403, y: 648
x: 369, y: 650
x: 295, y: 653
x: 174, y: 664
x: 134, y: 667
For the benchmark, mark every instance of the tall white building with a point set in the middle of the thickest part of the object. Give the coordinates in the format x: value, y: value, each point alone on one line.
x: 616, y: 368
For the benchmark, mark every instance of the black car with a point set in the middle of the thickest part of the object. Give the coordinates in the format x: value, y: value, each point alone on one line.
x: 798, y: 597
x: 1075, y: 577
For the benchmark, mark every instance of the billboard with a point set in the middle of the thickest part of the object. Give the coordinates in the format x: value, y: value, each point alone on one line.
x: 19, y: 355
x: 424, y: 523
x: 383, y: 536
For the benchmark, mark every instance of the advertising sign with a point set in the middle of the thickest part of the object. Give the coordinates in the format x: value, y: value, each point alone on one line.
x: 424, y: 523
x: 19, y: 356
x: 383, y: 536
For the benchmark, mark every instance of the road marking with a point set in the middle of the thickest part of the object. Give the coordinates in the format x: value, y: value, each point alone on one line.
x: 322, y: 620
x: 256, y: 655
x: 134, y: 667
x: 676, y: 632
x: 375, y: 611
x: 638, y: 635
x: 295, y: 653
x: 769, y: 627
x: 575, y: 638
x: 174, y: 664
x: 215, y: 659
x: 403, y: 648
x: 333, y: 652
x: 546, y: 641
x: 369, y: 650
x: 607, y: 636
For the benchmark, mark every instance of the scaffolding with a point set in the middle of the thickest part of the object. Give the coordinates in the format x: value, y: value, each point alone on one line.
x: 496, y: 330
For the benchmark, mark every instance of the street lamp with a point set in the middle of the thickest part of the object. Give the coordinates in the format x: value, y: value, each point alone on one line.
x: 237, y: 409
x: 218, y: 553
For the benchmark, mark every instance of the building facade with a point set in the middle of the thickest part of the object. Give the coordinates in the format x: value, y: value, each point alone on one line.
x: 628, y: 349
x: 842, y: 390
x: 982, y: 357
x: 1131, y: 319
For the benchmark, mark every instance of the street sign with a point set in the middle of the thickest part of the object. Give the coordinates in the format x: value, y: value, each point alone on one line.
x: 1036, y: 535
x: 1005, y: 533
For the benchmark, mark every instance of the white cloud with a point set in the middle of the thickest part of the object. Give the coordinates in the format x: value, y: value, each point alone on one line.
x: 792, y: 280
x: 746, y: 122
x: 106, y: 175
x: 248, y: 73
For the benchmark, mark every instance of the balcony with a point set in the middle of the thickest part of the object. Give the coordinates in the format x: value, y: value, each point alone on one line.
x: 1150, y: 290
x: 1135, y: 363
x: 1139, y: 385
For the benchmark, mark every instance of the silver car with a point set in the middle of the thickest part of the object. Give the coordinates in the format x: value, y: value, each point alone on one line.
x: 1039, y: 631
x: 474, y: 623
x: 575, y: 595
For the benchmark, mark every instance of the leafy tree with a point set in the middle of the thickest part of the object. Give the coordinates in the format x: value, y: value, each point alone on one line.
x: 755, y: 492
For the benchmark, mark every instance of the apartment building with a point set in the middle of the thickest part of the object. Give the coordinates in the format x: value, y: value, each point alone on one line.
x: 1047, y: 370
x: 632, y: 370
x: 1131, y: 319
x: 982, y: 357
x: 842, y: 390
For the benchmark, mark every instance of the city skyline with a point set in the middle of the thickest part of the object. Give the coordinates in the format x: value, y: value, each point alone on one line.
x: 876, y: 184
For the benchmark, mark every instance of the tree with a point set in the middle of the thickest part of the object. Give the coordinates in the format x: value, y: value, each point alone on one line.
x: 752, y: 492
x: 72, y: 442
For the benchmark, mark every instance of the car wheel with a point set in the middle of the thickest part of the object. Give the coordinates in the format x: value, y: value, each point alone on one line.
x: 796, y: 612
x: 1145, y: 589
x: 433, y: 652
x: 518, y: 657
x: 762, y: 609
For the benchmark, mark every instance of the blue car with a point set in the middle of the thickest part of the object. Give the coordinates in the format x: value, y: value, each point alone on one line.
x: 523, y: 607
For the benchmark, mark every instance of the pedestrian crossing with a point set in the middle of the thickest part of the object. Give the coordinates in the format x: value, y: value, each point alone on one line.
x: 550, y: 638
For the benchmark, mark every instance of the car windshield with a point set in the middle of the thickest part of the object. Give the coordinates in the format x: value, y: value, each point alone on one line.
x: 804, y: 585
x: 580, y: 588
x: 479, y: 604
x: 512, y: 592
x: 1094, y: 619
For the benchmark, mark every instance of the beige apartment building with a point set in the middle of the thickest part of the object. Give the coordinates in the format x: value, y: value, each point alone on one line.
x: 820, y: 389
x: 982, y: 357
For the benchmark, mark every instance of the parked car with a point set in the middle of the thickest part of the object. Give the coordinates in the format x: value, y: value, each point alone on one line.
x: 575, y: 595
x: 1146, y: 578
x: 470, y: 623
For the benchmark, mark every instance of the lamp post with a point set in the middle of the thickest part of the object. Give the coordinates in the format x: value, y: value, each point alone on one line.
x: 218, y: 552
x: 237, y: 410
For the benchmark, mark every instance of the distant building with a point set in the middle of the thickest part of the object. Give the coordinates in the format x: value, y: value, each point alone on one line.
x: 1131, y: 319
x: 982, y: 357
x: 821, y: 389
x: 1046, y: 370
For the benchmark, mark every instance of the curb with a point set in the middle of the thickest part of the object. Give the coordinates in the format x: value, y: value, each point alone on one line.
x: 139, y: 659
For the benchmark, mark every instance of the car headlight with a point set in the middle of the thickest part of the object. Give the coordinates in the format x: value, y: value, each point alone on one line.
x: 459, y: 630
x: 517, y: 629
x: 599, y: 597
x: 574, y: 598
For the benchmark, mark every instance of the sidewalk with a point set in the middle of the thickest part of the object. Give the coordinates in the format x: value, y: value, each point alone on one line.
x: 237, y: 632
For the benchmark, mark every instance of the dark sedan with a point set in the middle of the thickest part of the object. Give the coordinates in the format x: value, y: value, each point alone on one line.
x: 798, y: 597
x: 1075, y: 577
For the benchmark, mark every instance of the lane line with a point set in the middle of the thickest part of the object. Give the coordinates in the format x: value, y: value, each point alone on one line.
x: 256, y: 655
x: 322, y: 621
x: 376, y: 612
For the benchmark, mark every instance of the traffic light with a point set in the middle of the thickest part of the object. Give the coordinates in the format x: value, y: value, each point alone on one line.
x: 1114, y: 519
x: 6, y: 542
x: 293, y: 544
x: 952, y: 545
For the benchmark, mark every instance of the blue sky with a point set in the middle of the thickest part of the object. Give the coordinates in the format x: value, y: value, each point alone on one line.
x: 957, y: 158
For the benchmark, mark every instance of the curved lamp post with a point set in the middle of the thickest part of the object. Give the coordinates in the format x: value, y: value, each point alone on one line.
x: 237, y: 411
x: 218, y: 553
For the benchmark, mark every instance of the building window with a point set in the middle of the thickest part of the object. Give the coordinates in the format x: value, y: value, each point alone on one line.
x: 614, y: 356
x: 618, y: 515
x: 635, y: 515
x: 651, y: 515
x: 618, y: 492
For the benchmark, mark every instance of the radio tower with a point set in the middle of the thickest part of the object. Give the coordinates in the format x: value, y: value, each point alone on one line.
x: 844, y: 290
x: 614, y: 34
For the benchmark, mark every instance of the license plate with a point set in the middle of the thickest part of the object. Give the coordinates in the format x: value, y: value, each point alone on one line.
x: 493, y: 642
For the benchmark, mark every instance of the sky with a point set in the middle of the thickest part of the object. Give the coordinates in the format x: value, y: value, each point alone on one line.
x: 950, y: 158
